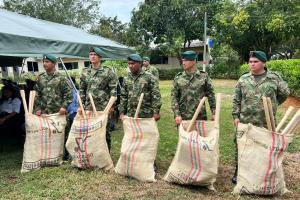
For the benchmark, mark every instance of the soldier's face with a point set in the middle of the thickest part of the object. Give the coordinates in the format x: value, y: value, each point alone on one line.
x: 188, y: 64
x: 256, y: 65
x: 146, y: 63
x: 94, y: 58
x: 134, y: 67
x: 48, y: 65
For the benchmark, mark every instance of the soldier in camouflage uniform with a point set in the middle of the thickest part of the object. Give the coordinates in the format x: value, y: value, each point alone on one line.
x: 189, y: 87
x: 101, y: 82
x: 138, y: 81
x: 53, y: 90
x: 251, y: 87
x: 149, y: 68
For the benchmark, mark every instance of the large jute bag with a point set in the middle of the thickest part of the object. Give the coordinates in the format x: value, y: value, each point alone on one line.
x: 260, y: 156
x: 44, y: 143
x: 87, y: 142
x: 138, y: 149
x: 197, y: 155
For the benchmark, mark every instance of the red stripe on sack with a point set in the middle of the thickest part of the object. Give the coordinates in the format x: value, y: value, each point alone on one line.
x: 198, y: 157
x: 79, y: 143
x: 127, y: 152
x: 138, y: 145
x: 42, y: 141
x: 270, y: 163
x: 278, y: 155
x: 85, y: 141
x: 191, y: 157
x: 49, y: 139
x: 203, y: 128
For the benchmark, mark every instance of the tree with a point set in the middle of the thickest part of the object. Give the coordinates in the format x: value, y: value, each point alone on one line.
x: 168, y: 23
x: 111, y: 28
x: 78, y: 13
x: 258, y: 25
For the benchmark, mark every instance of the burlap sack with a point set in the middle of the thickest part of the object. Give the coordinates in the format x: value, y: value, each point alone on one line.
x: 87, y: 142
x: 260, y: 155
x: 44, y: 142
x: 139, y: 148
x: 197, y: 155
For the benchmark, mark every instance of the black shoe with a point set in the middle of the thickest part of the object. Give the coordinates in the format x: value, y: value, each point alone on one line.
x: 234, y: 180
x: 155, y: 167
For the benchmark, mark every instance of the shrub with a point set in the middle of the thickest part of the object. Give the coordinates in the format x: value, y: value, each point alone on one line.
x: 289, y: 69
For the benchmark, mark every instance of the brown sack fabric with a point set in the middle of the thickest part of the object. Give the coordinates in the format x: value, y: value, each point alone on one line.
x: 197, y: 155
x: 87, y: 142
x: 139, y: 148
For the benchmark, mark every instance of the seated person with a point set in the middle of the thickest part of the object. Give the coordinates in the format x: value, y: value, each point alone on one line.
x: 9, y: 111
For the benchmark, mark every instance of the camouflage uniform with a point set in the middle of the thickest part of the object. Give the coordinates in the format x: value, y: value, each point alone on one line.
x: 131, y: 91
x: 247, y: 101
x: 53, y: 92
x: 101, y: 83
x: 152, y: 70
x: 187, y: 91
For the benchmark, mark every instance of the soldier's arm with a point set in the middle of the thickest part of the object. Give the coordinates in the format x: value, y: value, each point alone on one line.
x: 155, y: 95
x: 210, y: 94
x: 175, y: 95
x: 237, y: 99
x: 83, y: 88
x: 282, y: 91
x: 124, y: 98
x: 156, y: 73
x: 113, y: 83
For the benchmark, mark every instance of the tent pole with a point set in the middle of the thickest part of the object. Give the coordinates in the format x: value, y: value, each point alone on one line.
x: 23, y: 64
x: 63, y: 64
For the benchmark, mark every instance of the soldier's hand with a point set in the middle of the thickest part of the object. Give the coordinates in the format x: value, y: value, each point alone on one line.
x: 213, y: 118
x: 38, y: 113
x: 236, y: 122
x: 122, y: 116
x: 62, y: 111
x: 178, y: 120
x: 156, y: 117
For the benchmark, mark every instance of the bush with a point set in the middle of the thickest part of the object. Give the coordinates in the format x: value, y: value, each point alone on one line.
x: 289, y: 69
x: 168, y: 74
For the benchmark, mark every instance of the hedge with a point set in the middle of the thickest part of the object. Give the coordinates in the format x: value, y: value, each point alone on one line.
x: 289, y: 69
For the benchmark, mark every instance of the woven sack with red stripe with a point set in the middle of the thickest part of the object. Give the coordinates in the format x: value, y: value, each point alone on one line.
x: 260, y: 156
x: 44, y: 142
x: 197, y: 155
x: 138, y: 149
x: 87, y: 142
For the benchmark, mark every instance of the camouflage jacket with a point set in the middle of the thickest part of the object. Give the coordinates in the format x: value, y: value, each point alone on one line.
x: 152, y: 70
x: 187, y: 91
x: 247, y: 101
x: 54, y: 91
x: 131, y: 91
x: 101, y: 83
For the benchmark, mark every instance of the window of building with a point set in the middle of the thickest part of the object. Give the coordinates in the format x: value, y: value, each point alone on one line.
x: 32, y: 66
x: 71, y: 65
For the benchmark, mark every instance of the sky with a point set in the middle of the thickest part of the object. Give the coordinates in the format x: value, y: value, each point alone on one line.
x: 120, y: 8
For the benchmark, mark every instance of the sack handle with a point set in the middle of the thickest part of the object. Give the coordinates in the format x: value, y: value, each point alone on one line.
x: 136, y: 115
x: 267, y: 113
x: 283, y: 120
x: 292, y: 125
x: 22, y: 93
x: 81, y: 106
x: 192, y: 122
x: 110, y: 104
x: 93, y: 104
x: 270, y: 106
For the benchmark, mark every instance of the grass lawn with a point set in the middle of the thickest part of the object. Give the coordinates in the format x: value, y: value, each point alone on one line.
x: 66, y: 182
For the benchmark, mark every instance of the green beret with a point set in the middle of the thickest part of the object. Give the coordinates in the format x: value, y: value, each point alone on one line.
x: 135, y: 57
x: 98, y: 51
x: 50, y: 57
x: 189, y: 55
x: 260, y: 55
x: 146, y: 58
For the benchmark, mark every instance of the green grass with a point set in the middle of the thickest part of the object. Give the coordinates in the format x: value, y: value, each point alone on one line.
x: 66, y: 182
